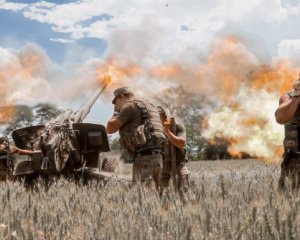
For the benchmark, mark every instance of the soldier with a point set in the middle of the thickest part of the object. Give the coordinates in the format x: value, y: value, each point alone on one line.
x: 179, y: 141
x: 288, y: 113
x: 5, y: 148
x: 141, y: 134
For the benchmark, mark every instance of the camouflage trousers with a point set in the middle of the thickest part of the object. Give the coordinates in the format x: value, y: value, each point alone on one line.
x: 290, y: 170
x: 181, y: 172
x: 147, y: 169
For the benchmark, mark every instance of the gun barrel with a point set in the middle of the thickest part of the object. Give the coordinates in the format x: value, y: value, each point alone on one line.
x: 61, y: 118
x: 84, y: 110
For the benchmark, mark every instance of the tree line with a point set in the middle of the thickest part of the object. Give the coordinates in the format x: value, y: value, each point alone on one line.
x: 24, y: 116
x: 190, y: 109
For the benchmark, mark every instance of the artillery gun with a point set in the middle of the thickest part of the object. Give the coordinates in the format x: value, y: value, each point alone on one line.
x: 68, y: 147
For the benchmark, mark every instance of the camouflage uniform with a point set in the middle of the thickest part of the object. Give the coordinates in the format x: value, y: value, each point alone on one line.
x: 142, y: 136
x: 3, y: 149
x: 181, y: 169
x: 3, y: 159
x: 290, y: 167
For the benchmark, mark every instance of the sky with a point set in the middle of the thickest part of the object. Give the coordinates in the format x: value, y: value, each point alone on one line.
x: 73, y: 36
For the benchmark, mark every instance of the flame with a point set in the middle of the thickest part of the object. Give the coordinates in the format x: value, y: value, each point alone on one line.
x: 112, y: 73
x: 17, y: 81
x: 234, y: 153
x: 107, y: 80
x: 246, y: 92
x: 248, y: 98
x: 6, y: 114
x: 279, y: 78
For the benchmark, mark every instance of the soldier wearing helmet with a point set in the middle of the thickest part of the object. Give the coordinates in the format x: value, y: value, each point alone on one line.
x: 141, y: 134
x: 288, y: 113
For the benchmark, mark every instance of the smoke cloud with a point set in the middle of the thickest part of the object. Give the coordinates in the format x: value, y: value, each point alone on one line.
x: 245, y: 90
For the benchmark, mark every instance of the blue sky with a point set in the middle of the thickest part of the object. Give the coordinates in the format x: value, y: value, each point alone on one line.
x: 16, y: 31
x: 264, y: 23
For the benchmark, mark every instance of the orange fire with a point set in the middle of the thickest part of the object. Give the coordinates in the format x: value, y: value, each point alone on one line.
x: 251, y: 121
x: 113, y: 73
x: 228, y: 63
x: 234, y: 153
x: 275, y: 79
x: 232, y: 150
x: 248, y: 93
x: 6, y: 114
x: 12, y: 78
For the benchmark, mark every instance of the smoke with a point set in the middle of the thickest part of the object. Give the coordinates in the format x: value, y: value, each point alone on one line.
x: 28, y: 76
x: 244, y: 91
x: 246, y: 94
x: 22, y: 78
x: 249, y: 98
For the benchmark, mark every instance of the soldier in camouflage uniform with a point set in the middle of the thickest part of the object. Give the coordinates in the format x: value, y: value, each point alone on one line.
x: 288, y: 113
x: 179, y: 140
x: 6, y: 153
x: 5, y: 147
x: 141, y: 134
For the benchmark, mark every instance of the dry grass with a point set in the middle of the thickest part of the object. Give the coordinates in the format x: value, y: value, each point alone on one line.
x: 228, y: 200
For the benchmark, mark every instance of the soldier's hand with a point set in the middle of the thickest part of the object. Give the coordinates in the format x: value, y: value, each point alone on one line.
x: 167, y: 125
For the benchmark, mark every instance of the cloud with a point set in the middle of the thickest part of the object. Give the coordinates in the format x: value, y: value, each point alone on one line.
x: 151, y: 32
x: 12, y: 6
x: 62, y: 40
x: 289, y: 49
x: 202, y: 15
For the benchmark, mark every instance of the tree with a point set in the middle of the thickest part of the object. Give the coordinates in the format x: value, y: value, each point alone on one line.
x: 114, y: 143
x: 44, y: 112
x: 22, y: 117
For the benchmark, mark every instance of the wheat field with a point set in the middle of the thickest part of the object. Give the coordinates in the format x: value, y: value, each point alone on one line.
x: 235, y: 199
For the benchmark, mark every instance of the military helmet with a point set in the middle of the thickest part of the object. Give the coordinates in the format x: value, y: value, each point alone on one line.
x: 119, y: 92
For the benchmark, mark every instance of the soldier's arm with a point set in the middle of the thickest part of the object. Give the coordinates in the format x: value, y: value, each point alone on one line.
x: 113, y: 125
x: 26, y: 152
x: 120, y: 118
x: 14, y: 149
x: 176, y: 140
x: 287, y: 108
x: 179, y: 140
